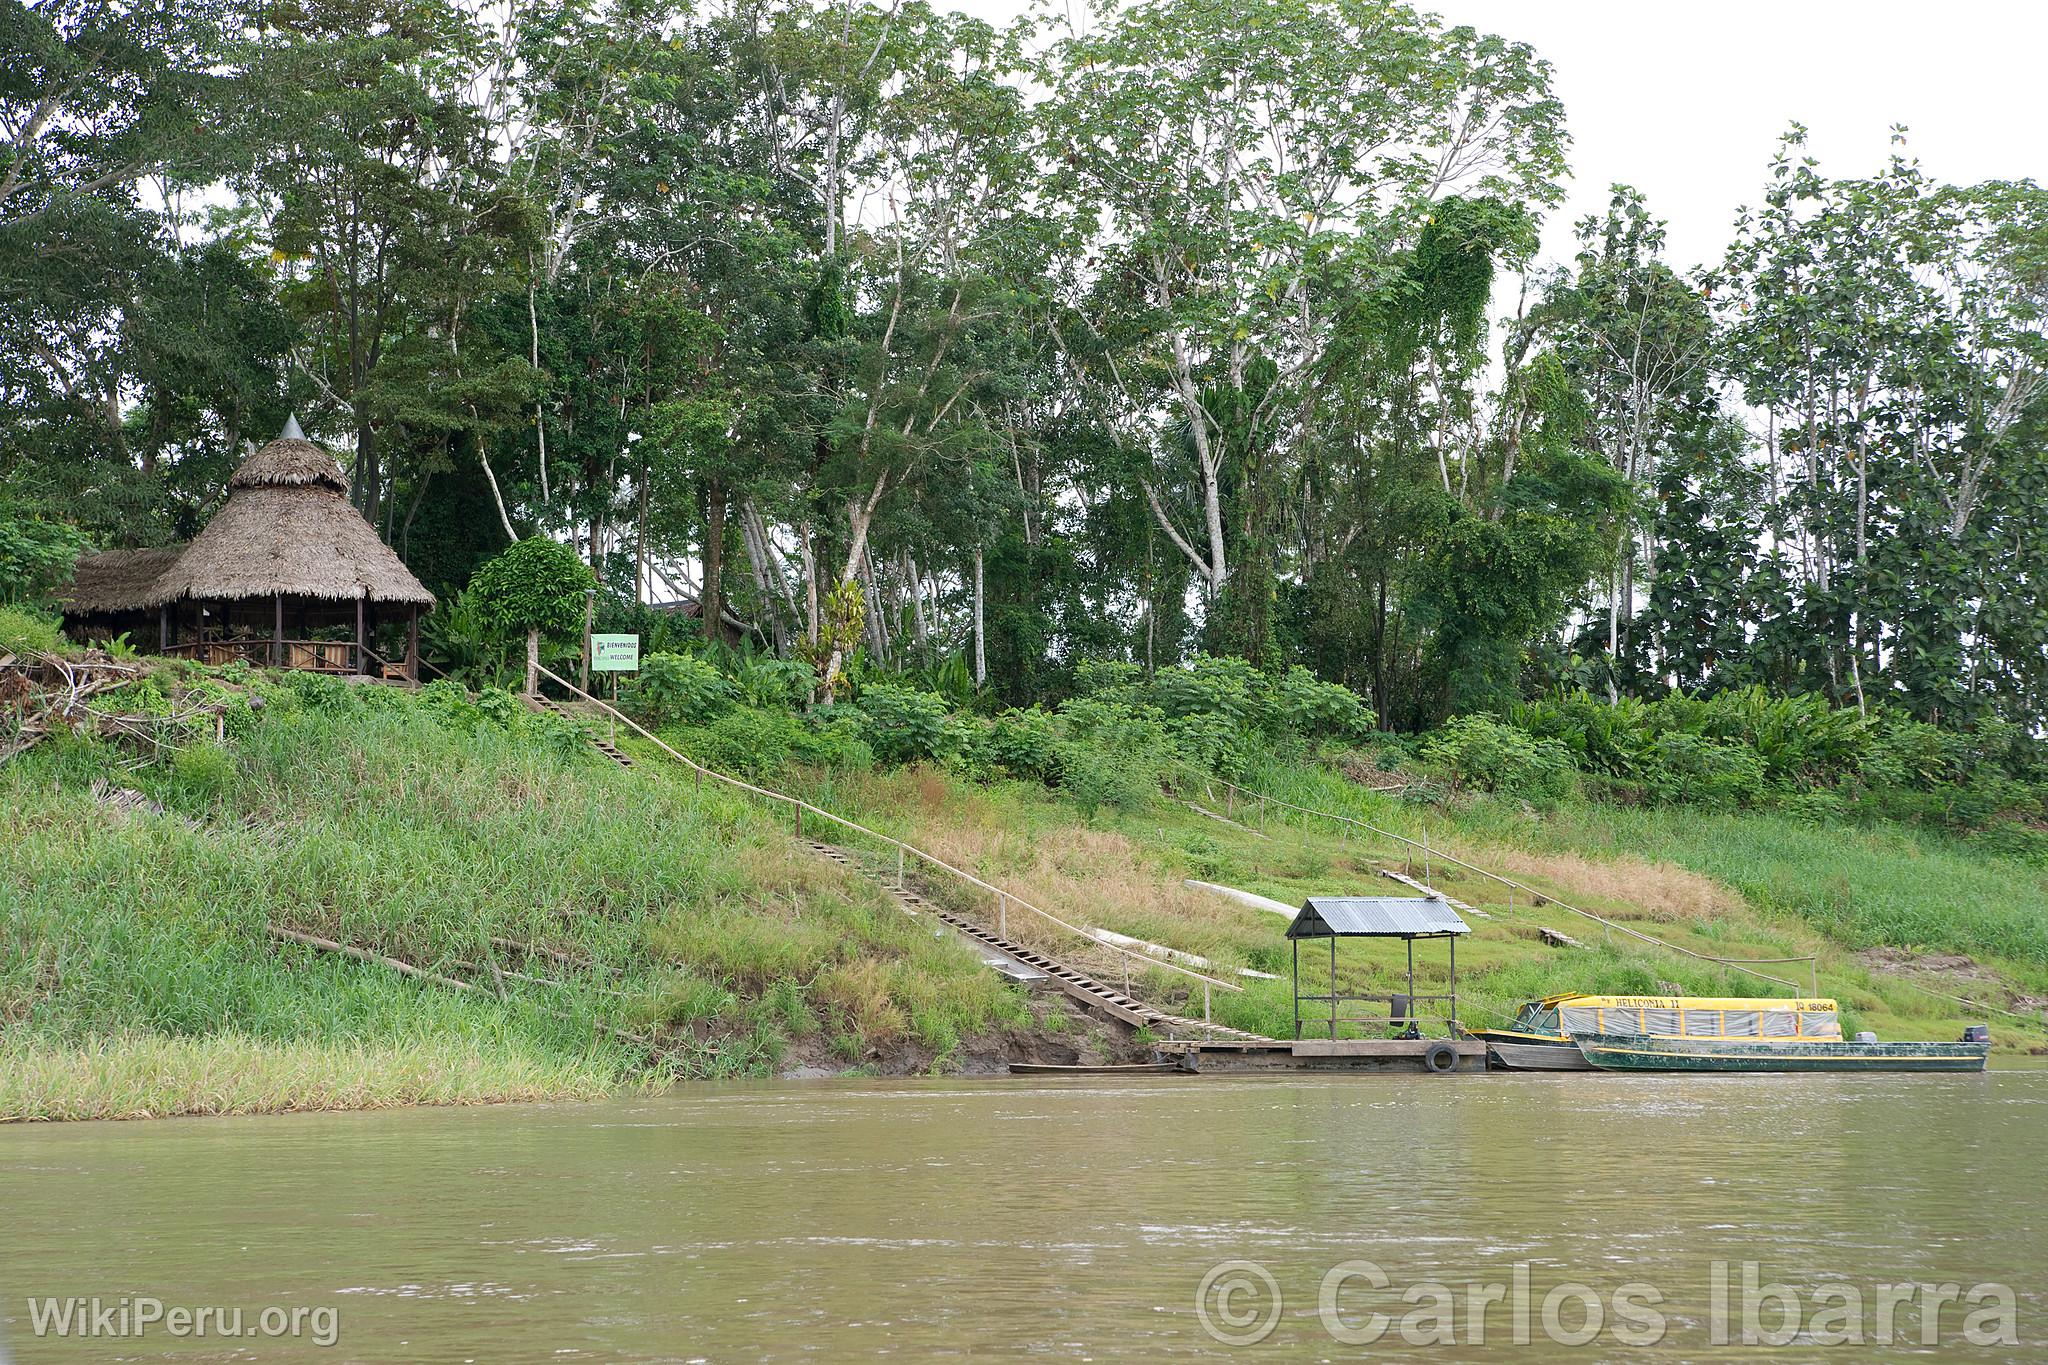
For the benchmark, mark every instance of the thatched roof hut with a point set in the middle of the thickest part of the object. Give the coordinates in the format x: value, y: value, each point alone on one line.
x: 286, y: 548
x: 115, y: 581
x: 288, y: 529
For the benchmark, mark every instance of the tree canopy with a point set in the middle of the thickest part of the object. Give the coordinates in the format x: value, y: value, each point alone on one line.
x: 904, y: 344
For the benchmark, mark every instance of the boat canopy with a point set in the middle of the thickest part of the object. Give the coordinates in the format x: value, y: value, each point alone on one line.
x: 1687, y: 1016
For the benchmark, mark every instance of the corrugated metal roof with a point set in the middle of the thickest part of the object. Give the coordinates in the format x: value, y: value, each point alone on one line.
x: 1375, y: 917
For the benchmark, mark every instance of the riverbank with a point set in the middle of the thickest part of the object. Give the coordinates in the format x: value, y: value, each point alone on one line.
x: 572, y: 930
x: 530, y: 922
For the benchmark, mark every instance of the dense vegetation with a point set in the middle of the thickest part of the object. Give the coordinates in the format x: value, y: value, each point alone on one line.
x: 909, y: 343
x: 1059, y: 417
x: 463, y: 837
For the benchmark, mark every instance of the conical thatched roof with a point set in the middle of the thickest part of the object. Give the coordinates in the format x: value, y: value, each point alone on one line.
x: 117, y: 580
x: 288, y: 528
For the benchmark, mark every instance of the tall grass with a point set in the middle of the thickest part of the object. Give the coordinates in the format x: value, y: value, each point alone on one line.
x: 387, y: 824
x: 1862, y: 885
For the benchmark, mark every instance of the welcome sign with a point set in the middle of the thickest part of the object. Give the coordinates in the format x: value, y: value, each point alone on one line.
x: 614, y: 653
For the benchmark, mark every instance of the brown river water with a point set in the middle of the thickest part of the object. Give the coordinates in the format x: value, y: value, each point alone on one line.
x: 1063, y: 1219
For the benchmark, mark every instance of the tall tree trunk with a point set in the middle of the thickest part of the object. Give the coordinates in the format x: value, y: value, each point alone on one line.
x: 980, y: 635
x: 714, y: 559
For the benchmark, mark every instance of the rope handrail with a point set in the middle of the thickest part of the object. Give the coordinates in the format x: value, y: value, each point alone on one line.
x: 900, y: 845
x: 1535, y: 895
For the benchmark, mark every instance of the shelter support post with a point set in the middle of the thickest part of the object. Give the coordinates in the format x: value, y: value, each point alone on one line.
x: 1411, y: 986
x: 277, y: 630
x: 1455, y: 1030
x: 163, y: 629
x: 1295, y: 944
x: 1333, y: 986
x: 360, y: 642
x: 412, y: 644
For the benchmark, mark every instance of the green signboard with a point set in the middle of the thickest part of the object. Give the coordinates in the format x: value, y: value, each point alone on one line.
x: 614, y: 653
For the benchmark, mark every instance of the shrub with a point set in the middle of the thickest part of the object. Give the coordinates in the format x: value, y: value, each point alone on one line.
x: 462, y: 640
x: 1690, y: 768
x: 677, y: 687
x: 745, y: 740
x: 1315, y: 709
x: 903, y: 725
x: 22, y: 630
x: 1113, y: 753
x: 765, y: 680
x: 835, y: 743
x: 535, y: 584
x: 200, y: 775
x: 1483, y: 753
x: 1024, y: 744
x: 35, y: 555
x: 1228, y: 688
x: 1210, y: 742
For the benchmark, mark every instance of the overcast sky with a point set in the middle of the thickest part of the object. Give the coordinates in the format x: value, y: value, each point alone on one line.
x: 1686, y: 100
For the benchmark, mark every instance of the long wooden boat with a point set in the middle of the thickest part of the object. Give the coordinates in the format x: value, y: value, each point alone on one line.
x: 1635, y: 1052
x: 1106, y: 1069
x: 1575, y: 1032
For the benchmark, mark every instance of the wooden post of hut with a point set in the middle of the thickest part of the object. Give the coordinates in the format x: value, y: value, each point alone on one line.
x: 359, y: 637
x: 277, y: 632
x: 412, y: 644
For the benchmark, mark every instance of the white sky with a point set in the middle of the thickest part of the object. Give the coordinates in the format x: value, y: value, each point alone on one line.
x: 1685, y: 98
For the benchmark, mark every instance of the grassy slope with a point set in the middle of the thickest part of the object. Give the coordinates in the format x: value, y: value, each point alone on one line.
x: 1738, y: 886
x: 136, y: 977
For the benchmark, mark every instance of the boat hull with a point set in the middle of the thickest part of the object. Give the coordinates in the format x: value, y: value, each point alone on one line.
x: 1531, y: 1056
x: 1617, y: 1052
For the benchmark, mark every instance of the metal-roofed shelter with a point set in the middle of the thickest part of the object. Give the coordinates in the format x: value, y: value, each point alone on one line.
x: 1402, y: 917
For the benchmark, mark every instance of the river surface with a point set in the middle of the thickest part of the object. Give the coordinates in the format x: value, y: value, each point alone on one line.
x: 1062, y: 1219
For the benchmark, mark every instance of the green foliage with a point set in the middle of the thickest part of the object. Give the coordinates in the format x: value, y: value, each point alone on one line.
x: 1025, y: 744
x: 536, y: 584
x: 460, y: 639
x: 23, y: 630
x: 36, y: 555
x: 1315, y: 709
x: 903, y: 726
x: 673, y: 688
x: 1114, y: 754
x: 201, y: 775
x: 1483, y: 753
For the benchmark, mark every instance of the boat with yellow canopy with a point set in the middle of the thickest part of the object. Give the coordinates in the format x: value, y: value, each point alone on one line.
x: 1578, y: 1032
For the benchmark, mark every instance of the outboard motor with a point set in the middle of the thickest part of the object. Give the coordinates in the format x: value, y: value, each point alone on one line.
x: 1976, y: 1033
x: 1404, y: 1017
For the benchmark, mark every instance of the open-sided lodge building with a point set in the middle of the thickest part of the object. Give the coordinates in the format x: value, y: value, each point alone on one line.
x: 288, y: 573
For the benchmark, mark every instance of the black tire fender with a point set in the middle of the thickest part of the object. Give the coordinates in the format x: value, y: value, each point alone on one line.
x: 1440, y: 1059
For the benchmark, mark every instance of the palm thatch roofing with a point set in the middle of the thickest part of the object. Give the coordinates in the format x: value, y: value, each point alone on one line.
x: 288, y: 528
x: 116, y: 580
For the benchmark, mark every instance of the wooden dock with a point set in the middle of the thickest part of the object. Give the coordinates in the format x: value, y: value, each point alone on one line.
x: 1328, y: 1054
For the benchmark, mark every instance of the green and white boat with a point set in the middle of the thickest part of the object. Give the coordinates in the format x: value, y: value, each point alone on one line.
x: 1576, y: 1032
x: 1637, y: 1052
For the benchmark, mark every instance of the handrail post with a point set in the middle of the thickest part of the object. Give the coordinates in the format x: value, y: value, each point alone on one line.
x: 1002, y: 915
x: 899, y: 868
x: 1205, y: 1002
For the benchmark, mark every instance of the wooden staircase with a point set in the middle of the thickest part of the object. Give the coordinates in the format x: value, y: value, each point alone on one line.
x: 1081, y: 987
x: 551, y: 707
